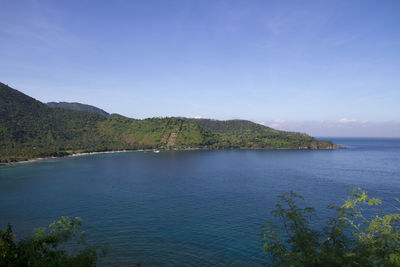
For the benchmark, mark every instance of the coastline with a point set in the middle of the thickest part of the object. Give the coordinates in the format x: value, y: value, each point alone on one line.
x: 67, y: 156
x: 335, y: 147
x: 93, y: 153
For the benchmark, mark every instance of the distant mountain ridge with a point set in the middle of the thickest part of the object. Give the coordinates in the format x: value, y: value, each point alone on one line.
x: 31, y: 129
x: 77, y: 106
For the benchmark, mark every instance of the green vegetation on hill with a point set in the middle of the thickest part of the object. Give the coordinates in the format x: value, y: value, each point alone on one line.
x: 31, y: 129
x: 77, y: 106
x: 244, y: 134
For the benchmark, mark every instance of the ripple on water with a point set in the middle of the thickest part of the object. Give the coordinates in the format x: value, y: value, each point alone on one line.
x: 201, y: 208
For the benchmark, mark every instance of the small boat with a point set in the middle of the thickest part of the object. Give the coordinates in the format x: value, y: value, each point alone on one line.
x: 156, y: 151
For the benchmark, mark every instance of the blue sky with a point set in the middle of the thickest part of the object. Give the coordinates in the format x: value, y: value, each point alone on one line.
x: 296, y: 65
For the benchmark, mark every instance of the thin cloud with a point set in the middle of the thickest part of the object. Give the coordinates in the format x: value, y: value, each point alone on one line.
x: 346, y: 120
x: 338, y: 41
x: 38, y: 26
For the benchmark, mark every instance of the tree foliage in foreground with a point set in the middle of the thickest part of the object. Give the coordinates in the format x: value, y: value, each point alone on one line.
x: 351, y: 238
x: 48, y: 246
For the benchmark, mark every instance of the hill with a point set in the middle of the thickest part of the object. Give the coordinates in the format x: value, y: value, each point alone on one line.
x: 30, y: 129
x: 245, y: 134
x: 77, y: 106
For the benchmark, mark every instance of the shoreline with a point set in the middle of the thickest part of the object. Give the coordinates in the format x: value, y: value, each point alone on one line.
x: 68, y: 156
x: 336, y: 147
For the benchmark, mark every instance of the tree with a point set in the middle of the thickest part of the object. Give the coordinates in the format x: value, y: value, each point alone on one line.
x: 351, y: 238
x: 48, y: 246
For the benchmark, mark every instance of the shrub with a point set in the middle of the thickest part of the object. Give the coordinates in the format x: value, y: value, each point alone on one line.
x: 47, y: 247
x: 351, y: 238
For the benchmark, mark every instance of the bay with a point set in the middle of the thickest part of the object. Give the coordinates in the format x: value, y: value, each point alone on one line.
x: 190, y: 207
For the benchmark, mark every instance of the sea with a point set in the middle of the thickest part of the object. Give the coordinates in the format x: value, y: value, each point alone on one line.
x: 191, y: 208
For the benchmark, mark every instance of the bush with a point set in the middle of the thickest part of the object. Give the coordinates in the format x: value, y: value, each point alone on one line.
x: 43, y: 248
x: 350, y: 238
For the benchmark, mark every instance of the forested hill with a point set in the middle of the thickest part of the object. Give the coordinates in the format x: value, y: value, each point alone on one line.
x: 77, y: 106
x: 30, y: 129
x: 232, y: 126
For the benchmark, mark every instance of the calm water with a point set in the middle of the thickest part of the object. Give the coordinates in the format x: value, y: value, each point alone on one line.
x: 182, y: 208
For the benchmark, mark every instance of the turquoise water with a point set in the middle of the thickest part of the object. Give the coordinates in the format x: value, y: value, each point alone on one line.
x: 191, y: 207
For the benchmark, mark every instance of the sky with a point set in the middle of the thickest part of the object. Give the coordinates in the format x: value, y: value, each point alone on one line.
x: 326, y: 68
